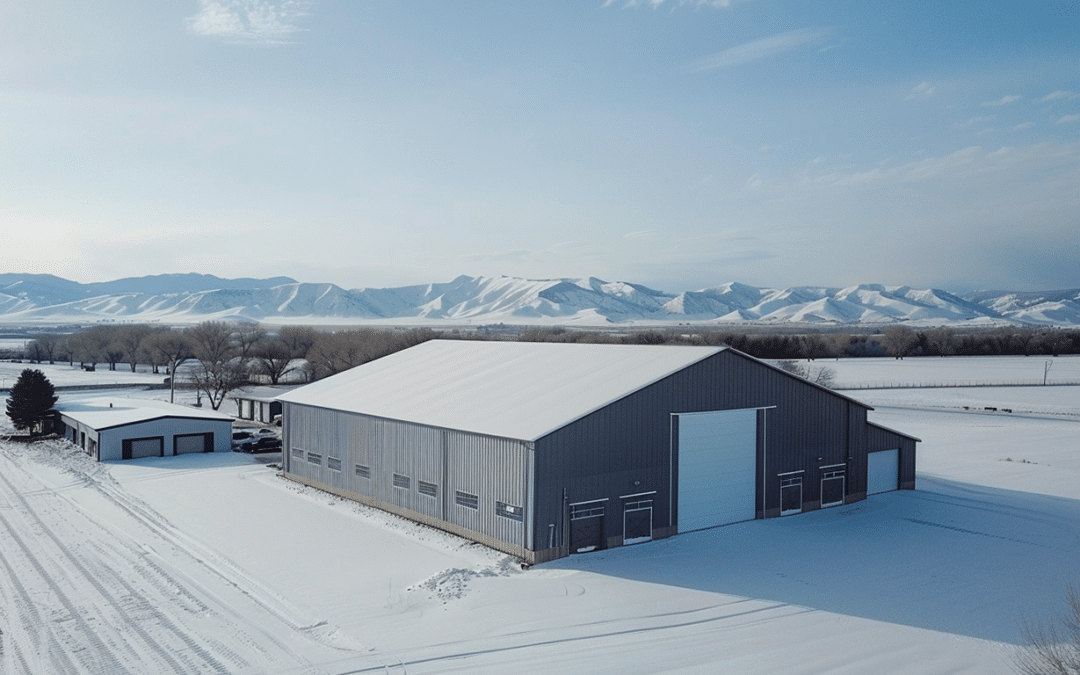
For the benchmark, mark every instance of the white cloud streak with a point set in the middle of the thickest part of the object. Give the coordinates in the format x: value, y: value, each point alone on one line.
x: 1004, y: 100
x: 921, y: 90
x: 1059, y: 95
x: 760, y: 49
x: 1065, y: 119
x: 248, y: 21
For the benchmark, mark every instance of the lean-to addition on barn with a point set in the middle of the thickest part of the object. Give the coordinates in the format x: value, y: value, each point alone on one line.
x: 546, y: 449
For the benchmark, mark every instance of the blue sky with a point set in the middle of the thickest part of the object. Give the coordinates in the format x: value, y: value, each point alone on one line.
x: 675, y: 144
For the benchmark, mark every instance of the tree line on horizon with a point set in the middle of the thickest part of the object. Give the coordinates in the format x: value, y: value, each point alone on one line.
x: 222, y: 356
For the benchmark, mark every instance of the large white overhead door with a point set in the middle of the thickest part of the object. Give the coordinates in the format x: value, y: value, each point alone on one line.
x: 882, y: 471
x: 717, y: 468
x: 137, y: 448
x: 190, y: 443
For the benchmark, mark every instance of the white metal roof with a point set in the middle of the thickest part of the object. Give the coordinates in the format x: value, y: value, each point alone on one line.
x: 108, y: 412
x: 518, y: 390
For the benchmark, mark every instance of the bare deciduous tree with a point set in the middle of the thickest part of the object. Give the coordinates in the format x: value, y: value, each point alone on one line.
x: 821, y: 375
x: 220, y: 369
x: 130, y: 338
x: 1053, y: 648
x: 273, y: 358
x: 899, y: 341
x: 247, y: 335
x: 169, y: 348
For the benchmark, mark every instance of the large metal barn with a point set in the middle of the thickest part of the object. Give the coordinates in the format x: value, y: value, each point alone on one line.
x: 544, y: 449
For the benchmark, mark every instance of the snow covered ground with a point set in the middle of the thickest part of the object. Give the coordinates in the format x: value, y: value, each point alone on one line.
x: 214, y: 564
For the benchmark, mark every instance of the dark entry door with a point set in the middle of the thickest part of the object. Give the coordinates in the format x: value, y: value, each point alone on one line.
x: 586, y: 534
x: 637, y: 522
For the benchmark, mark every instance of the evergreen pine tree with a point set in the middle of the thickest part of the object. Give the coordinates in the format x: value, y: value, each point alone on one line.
x: 30, y: 400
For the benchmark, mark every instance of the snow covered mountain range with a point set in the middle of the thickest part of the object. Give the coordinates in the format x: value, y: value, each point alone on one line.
x: 190, y: 298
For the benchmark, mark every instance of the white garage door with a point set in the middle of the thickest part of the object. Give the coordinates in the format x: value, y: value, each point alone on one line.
x: 882, y: 471
x: 145, y: 447
x: 191, y: 443
x: 717, y: 468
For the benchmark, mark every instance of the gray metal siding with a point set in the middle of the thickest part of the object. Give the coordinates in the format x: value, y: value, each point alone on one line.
x: 880, y: 438
x: 493, y: 469
x: 110, y: 441
x: 625, y: 448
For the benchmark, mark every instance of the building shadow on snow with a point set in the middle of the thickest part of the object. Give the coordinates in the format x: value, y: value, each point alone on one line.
x: 950, y: 556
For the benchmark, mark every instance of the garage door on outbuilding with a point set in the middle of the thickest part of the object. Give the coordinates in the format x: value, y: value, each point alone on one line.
x: 137, y: 448
x: 717, y: 457
x: 184, y: 444
x: 882, y: 471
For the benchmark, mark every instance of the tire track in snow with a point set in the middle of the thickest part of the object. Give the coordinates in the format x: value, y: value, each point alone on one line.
x: 637, y: 626
x: 142, y: 631
x: 101, y: 658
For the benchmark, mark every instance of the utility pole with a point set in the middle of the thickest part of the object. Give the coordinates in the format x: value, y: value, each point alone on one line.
x: 1046, y: 370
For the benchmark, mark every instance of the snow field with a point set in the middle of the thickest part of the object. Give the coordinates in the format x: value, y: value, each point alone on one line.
x: 226, y: 567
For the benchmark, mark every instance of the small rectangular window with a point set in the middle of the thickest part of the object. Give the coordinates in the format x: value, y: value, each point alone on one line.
x: 401, y: 481
x: 363, y: 471
x: 508, y: 511
x: 333, y: 463
x: 426, y: 488
x: 467, y: 500
x: 587, y: 510
x: 298, y: 452
x: 314, y: 458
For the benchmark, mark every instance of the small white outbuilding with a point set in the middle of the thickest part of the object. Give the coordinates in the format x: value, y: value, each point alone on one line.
x: 127, y: 428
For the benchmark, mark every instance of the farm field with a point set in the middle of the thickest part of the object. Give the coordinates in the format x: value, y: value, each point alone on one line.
x: 214, y: 564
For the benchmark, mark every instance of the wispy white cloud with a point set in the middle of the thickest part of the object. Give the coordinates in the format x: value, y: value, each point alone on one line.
x: 760, y: 49
x: 1065, y: 119
x: 642, y: 234
x: 1004, y: 100
x: 961, y: 164
x: 921, y: 90
x: 1059, y: 95
x: 248, y: 21
x: 1023, y: 126
x: 976, y: 120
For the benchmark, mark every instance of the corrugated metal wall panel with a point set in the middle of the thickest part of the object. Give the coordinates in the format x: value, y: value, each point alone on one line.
x: 625, y: 447
x: 493, y: 469
x: 111, y: 440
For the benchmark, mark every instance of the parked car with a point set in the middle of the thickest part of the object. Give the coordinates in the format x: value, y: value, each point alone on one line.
x: 240, y: 437
x: 246, y: 439
x: 264, y: 444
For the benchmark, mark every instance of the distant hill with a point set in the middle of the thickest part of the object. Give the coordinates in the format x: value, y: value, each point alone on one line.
x: 190, y: 298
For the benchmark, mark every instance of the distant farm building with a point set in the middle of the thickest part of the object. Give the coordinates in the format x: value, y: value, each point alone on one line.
x: 125, y: 428
x: 259, y: 404
x: 542, y: 450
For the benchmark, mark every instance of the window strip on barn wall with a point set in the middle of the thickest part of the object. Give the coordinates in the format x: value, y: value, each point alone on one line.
x: 401, y: 481
x: 467, y: 500
x: 427, y: 489
x: 586, y: 510
x: 333, y: 463
x: 363, y: 471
